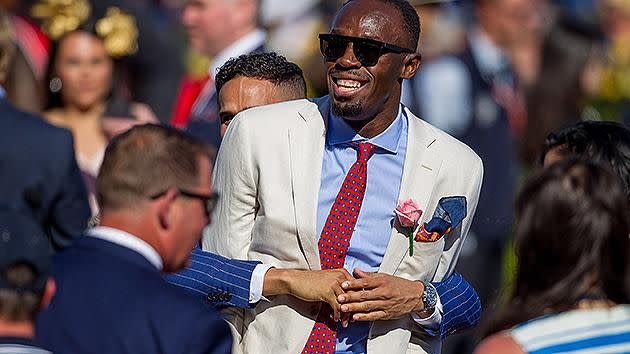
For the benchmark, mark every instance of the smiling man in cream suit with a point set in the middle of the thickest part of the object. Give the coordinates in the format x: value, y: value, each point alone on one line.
x: 294, y: 194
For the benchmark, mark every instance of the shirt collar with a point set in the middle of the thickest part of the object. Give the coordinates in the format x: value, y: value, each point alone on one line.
x: 246, y: 44
x: 489, y: 57
x: 129, y: 241
x: 3, y: 93
x: 339, y: 132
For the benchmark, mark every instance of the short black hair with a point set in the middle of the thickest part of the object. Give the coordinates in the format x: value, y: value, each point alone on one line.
x: 603, y: 142
x: 263, y: 66
x: 411, y: 21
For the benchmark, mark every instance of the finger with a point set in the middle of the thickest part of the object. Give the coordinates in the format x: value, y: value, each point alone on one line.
x: 365, y: 306
x: 334, y: 303
x: 347, y: 275
x: 354, y: 296
x: 372, y: 316
x: 362, y: 295
x: 345, y: 319
x: 360, y: 284
x: 335, y: 306
x: 361, y: 274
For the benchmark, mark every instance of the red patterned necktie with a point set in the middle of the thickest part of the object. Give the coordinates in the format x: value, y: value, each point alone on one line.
x: 335, y: 239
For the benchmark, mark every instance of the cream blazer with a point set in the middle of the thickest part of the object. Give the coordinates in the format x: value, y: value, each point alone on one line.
x: 268, y: 174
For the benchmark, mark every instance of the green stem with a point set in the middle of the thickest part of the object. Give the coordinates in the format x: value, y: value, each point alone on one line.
x: 411, y: 243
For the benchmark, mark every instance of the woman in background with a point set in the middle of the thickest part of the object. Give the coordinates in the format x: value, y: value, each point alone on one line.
x: 572, y: 282
x: 570, y: 72
x: 85, y: 85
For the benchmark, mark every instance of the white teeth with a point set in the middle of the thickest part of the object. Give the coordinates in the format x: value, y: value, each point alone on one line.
x: 349, y: 83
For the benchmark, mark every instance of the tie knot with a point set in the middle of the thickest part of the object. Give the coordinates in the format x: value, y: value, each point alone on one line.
x: 365, y: 150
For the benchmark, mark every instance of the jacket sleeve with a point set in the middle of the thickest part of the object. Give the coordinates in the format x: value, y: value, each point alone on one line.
x: 235, y: 179
x: 460, y: 304
x: 216, y: 280
x: 69, y: 213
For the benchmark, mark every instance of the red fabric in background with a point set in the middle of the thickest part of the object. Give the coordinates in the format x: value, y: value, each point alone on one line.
x: 189, y: 90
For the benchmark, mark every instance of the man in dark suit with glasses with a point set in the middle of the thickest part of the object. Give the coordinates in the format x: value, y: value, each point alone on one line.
x: 156, y: 197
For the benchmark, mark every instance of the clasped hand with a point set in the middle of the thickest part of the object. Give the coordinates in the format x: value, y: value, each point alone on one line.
x: 365, y: 297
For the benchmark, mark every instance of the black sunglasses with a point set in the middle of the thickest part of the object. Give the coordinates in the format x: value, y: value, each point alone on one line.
x: 209, y: 200
x: 367, y: 51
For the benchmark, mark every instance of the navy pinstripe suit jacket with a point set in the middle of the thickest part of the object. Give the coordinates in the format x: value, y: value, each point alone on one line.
x: 226, y: 282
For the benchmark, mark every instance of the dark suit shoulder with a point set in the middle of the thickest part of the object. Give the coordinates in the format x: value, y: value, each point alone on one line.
x: 18, y: 119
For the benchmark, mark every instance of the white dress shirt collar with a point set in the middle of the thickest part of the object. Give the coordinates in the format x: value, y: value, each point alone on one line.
x: 129, y: 241
x: 244, y: 45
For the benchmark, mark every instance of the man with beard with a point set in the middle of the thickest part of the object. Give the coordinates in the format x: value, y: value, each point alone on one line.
x: 294, y: 195
x: 257, y: 79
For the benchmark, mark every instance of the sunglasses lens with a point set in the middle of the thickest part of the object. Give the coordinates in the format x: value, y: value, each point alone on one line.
x: 367, y: 53
x: 333, y: 48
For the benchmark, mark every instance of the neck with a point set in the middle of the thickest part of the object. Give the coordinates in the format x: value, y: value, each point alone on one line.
x: 237, y: 36
x: 91, y: 115
x: 373, y: 125
x: 135, y: 222
x: 17, y: 329
x: 587, y: 304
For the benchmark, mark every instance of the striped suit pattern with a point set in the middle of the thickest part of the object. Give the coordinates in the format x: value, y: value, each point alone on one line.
x: 460, y: 304
x: 584, y: 331
x: 211, y: 276
x: 217, y: 280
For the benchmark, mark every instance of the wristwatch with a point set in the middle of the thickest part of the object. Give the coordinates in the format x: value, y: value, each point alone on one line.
x: 429, y: 297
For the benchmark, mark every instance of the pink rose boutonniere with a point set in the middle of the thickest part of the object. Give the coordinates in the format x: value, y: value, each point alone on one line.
x: 408, y: 214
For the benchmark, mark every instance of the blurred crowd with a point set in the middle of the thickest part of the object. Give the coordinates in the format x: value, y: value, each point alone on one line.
x: 499, y: 75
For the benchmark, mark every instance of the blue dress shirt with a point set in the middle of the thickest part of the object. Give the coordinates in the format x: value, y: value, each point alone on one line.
x: 374, y: 225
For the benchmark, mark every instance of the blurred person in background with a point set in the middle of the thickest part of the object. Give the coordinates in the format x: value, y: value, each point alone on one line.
x: 572, y: 290
x: 613, y: 100
x: 602, y: 142
x: 47, y: 183
x: 26, y: 287
x: 571, y: 71
x: 292, y: 28
x: 442, y: 34
x: 474, y: 95
x: 220, y: 30
x: 81, y: 82
x: 156, y: 197
x: 151, y: 78
x: 443, y: 30
x: 27, y: 69
x: 525, y: 50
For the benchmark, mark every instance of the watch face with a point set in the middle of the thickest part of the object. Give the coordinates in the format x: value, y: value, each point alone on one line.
x: 430, y: 296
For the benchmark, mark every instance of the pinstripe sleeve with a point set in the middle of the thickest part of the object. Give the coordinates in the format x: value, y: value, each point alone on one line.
x: 460, y: 303
x: 215, y: 279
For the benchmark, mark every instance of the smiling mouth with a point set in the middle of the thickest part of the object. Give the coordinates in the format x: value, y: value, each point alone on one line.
x: 347, y: 87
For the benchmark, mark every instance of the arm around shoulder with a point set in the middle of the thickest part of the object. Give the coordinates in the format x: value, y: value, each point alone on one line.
x: 235, y: 179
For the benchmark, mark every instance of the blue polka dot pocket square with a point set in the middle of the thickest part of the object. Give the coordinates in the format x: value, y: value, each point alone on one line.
x: 449, y: 213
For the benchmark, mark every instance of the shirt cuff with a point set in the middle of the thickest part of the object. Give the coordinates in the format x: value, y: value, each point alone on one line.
x: 432, y: 322
x: 258, y: 280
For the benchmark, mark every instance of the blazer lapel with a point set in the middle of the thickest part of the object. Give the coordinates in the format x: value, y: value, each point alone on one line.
x: 419, y: 176
x: 306, y: 147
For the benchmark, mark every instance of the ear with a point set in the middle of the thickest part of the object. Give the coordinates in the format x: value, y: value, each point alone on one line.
x: 410, y: 65
x: 164, y: 207
x: 49, y: 293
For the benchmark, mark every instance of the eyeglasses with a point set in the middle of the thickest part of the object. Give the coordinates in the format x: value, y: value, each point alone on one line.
x: 209, y: 200
x: 367, y: 51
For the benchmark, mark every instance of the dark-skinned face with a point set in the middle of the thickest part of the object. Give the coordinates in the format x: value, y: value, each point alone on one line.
x: 360, y: 93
